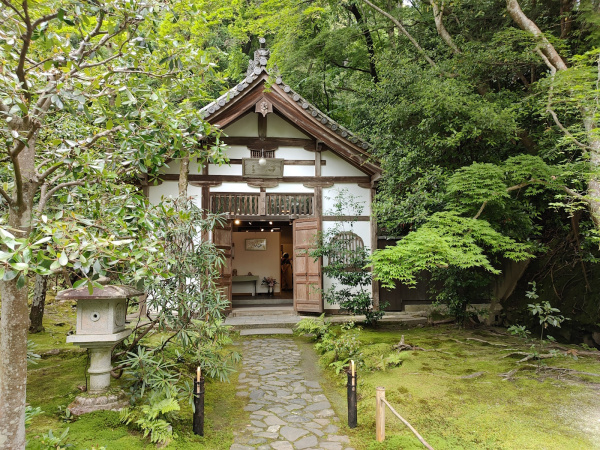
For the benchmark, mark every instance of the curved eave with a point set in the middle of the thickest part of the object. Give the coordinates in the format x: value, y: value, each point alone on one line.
x: 237, y: 101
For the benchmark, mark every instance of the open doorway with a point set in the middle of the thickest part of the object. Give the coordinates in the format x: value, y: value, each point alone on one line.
x: 258, y: 247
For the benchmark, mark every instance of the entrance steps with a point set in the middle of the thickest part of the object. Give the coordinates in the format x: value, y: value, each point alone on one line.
x: 264, y: 310
x: 262, y: 302
x: 285, y: 317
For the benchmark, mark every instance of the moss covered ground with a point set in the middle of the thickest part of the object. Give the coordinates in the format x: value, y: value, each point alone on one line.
x: 456, y: 396
x: 54, y: 382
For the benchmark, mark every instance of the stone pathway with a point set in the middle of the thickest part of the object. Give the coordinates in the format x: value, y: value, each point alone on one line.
x: 288, y: 411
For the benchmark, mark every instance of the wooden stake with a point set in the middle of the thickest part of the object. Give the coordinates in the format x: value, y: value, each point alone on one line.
x: 380, y: 414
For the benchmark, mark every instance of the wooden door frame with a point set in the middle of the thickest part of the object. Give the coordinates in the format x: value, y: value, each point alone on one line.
x: 320, y: 306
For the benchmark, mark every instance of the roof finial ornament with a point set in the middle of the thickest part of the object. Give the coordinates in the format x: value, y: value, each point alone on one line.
x: 262, y: 42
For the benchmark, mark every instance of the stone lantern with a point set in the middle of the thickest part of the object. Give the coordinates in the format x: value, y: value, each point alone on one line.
x: 100, y: 325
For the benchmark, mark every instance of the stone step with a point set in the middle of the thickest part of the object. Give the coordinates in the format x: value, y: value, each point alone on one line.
x: 265, y: 331
x: 260, y: 301
x: 263, y: 311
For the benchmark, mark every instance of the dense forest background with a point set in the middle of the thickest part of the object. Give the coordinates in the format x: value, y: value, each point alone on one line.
x: 468, y: 120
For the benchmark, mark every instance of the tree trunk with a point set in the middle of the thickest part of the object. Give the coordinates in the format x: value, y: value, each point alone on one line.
x: 184, y: 170
x: 590, y: 125
x: 438, y: 13
x: 15, y: 315
x: 364, y: 27
x: 547, y: 49
x: 36, y: 313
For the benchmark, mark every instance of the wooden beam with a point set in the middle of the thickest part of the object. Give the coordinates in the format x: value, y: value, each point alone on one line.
x: 205, y: 183
x: 318, y: 210
x: 321, y: 184
x: 338, y: 144
x: 318, y: 162
x: 286, y: 162
x: 262, y: 127
x: 267, y: 141
x: 239, y: 178
x: 346, y: 218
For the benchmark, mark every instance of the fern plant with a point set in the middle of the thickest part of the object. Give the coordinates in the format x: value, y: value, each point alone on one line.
x: 153, y: 419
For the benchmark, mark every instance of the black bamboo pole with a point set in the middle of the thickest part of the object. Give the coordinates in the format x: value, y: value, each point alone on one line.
x: 352, y: 410
x: 198, y: 425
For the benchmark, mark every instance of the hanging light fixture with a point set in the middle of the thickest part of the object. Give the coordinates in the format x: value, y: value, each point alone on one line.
x: 262, y: 161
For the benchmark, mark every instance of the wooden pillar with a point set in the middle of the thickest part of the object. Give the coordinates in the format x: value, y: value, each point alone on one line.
x: 374, y: 282
x: 318, y: 190
x: 262, y: 204
x: 205, y: 200
x: 380, y: 414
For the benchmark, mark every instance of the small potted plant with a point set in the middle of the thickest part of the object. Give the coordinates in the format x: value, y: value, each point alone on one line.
x: 270, y: 282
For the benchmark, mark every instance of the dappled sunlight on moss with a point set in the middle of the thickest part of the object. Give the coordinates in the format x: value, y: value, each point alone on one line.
x: 457, y: 394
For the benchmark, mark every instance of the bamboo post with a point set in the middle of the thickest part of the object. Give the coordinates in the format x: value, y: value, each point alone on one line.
x: 198, y: 423
x: 352, y: 410
x: 380, y: 414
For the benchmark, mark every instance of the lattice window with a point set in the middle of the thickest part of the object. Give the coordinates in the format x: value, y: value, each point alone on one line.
x: 262, y: 153
x: 347, y: 250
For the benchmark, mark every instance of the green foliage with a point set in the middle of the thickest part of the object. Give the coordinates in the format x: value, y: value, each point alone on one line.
x: 32, y: 356
x: 344, y: 345
x: 30, y: 413
x: 48, y: 441
x: 446, y: 240
x: 151, y: 419
x: 345, y: 263
x: 547, y: 316
x: 317, y: 326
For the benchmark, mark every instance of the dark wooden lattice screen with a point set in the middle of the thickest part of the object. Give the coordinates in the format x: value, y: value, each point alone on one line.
x: 345, y: 247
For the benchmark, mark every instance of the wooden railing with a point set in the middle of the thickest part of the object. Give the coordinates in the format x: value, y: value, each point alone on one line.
x: 380, y: 418
x: 289, y: 204
x: 239, y: 204
x: 262, y: 204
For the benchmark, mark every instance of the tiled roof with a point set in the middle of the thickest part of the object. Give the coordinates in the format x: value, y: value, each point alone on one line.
x: 255, y: 68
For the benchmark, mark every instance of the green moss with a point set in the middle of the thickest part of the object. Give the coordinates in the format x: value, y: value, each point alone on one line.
x: 532, y: 411
x: 53, y: 384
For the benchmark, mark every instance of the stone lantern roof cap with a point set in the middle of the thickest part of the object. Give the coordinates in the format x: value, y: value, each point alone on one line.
x: 105, y: 292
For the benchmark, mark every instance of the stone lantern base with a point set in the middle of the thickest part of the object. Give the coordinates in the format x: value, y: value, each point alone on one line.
x: 88, y: 403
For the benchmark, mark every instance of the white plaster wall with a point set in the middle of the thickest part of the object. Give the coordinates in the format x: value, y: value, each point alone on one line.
x: 234, y: 187
x: 237, y: 151
x: 262, y: 263
x: 290, y: 188
x: 225, y: 169
x: 336, y: 166
x: 171, y: 189
x: 361, y: 196
x: 246, y: 126
x: 294, y: 153
x: 174, y: 167
x: 166, y: 189
x: 362, y: 229
x: 278, y: 127
x: 298, y: 171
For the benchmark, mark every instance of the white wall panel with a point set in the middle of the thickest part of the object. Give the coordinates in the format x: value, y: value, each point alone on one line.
x: 166, y: 189
x: 361, y: 197
x: 294, y: 153
x: 298, y: 171
x: 234, y: 187
x: 246, y: 126
x: 237, y: 151
x: 225, y: 169
x: 278, y: 127
x: 290, y: 188
x: 336, y: 166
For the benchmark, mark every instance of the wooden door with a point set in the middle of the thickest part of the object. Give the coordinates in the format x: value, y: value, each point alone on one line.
x: 222, y: 240
x: 307, y: 271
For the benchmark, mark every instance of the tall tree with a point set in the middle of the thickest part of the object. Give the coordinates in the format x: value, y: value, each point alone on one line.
x: 77, y: 106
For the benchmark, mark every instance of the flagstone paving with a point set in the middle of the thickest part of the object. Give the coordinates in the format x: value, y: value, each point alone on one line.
x: 288, y: 411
